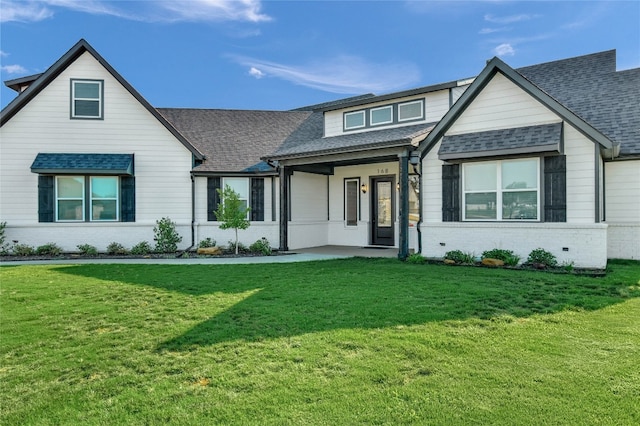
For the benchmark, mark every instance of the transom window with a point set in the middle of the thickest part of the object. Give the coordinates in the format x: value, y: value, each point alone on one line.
x: 241, y: 187
x: 75, y: 204
x: 354, y: 120
x: 383, y: 115
x: 87, y: 99
x: 410, y: 110
x: 501, y: 190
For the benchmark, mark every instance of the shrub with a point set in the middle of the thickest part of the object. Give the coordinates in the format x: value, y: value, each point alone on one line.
x: 236, y: 248
x: 206, y: 243
x: 542, y: 257
x: 23, y: 250
x: 261, y: 246
x: 87, y: 250
x: 49, y: 249
x: 116, y: 248
x: 507, y: 256
x: 141, y: 249
x: 416, y: 258
x: 3, y: 237
x: 459, y: 256
x: 166, y: 236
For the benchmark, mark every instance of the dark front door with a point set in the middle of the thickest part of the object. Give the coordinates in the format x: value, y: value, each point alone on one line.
x: 382, y: 211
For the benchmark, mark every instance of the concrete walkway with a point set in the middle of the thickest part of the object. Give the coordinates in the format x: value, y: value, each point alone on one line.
x: 302, y: 255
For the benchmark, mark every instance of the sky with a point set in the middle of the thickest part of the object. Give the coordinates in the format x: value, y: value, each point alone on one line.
x: 279, y: 55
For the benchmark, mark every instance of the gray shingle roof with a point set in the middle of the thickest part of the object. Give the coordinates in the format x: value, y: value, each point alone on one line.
x: 591, y: 87
x: 308, y: 139
x: 234, y: 140
x: 541, y: 138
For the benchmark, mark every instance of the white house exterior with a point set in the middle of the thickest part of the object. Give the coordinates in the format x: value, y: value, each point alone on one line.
x: 546, y: 156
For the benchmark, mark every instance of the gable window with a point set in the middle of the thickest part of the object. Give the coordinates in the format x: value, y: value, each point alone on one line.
x: 351, y: 201
x: 73, y: 203
x: 410, y: 110
x: 354, y: 120
x: 501, y: 190
x: 383, y: 115
x: 87, y: 99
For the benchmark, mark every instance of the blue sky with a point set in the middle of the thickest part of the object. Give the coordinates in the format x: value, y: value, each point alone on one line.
x: 275, y: 55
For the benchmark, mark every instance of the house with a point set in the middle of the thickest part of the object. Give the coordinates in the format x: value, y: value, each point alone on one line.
x: 542, y: 156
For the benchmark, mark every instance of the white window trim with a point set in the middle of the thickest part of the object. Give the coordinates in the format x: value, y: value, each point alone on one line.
x: 499, y: 191
x: 58, y: 198
x: 117, y: 200
x: 248, y: 199
x: 357, y: 181
x: 372, y: 110
x: 74, y: 99
x: 347, y: 114
x: 420, y: 102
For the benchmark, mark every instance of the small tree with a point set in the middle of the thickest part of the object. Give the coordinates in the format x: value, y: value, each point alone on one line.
x: 232, y: 212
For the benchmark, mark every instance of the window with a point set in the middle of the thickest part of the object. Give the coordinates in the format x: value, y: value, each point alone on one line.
x: 351, y: 201
x: 86, y: 99
x: 71, y: 198
x: 241, y: 187
x: 501, y: 190
x: 354, y: 120
x: 383, y: 115
x: 410, y: 111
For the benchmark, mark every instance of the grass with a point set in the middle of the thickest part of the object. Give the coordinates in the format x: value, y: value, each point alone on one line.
x: 352, y: 341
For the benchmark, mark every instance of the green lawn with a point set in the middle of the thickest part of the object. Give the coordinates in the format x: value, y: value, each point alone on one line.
x: 356, y: 341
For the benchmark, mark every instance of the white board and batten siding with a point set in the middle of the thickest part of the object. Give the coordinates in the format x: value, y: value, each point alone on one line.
x: 622, y: 189
x: 162, y: 163
x: 580, y: 240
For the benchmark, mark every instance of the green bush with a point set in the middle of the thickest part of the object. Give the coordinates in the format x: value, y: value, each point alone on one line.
x: 261, y: 246
x: 116, y: 248
x: 141, y: 249
x: 459, y: 256
x: 206, y: 243
x: 49, y: 249
x: 416, y: 258
x: 3, y: 237
x: 87, y: 250
x: 507, y: 256
x: 231, y: 247
x: 166, y: 236
x: 23, y: 250
x: 542, y: 257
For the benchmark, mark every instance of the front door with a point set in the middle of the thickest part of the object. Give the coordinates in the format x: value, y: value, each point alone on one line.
x: 382, y: 211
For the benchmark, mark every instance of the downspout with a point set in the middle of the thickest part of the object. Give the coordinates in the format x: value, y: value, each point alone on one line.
x: 193, y: 213
x: 417, y: 169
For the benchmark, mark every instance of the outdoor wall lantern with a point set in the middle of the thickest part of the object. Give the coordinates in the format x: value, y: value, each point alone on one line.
x: 363, y: 188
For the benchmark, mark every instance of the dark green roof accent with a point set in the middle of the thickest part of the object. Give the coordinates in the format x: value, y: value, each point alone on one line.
x: 99, y: 164
x: 60, y: 65
x: 493, y: 67
x: 542, y: 138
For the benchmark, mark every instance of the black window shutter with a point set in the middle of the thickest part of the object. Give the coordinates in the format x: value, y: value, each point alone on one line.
x: 213, y: 198
x: 127, y: 199
x: 555, y: 188
x: 451, y: 193
x: 46, y: 196
x: 257, y: 199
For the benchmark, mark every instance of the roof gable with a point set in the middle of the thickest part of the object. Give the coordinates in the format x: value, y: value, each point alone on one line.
x: 43, y: 80
x: 497, y: 66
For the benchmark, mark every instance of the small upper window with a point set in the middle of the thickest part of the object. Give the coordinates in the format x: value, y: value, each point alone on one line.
x: 86, y: 99
x: 410, y: 111
x: 383, y: 115
x: 354, y: 120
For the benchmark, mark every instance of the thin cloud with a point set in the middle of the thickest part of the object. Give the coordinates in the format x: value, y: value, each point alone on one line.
x: 13, y: 69
x: 509, y: 19
x: 343, y: 74
x: 504, y: 49
x: 255, y: 72
x: 151, y: 11
x: 3, y: 54
x: 494, y: 30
